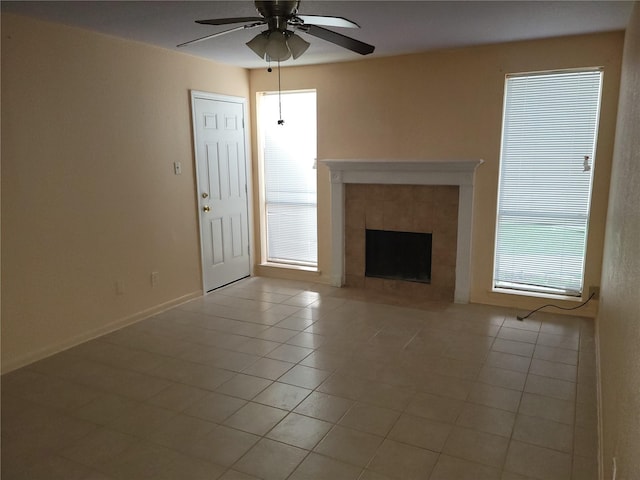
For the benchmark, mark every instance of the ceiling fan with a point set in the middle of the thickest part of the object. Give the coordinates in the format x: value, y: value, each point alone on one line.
x: 278, y: 42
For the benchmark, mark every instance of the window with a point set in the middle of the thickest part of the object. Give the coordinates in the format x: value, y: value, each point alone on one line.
x: 289, y: 152
x: 546, y: 171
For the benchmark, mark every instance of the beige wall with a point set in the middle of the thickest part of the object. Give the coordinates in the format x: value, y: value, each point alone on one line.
x: 91, y: 126
x: 618, y: 322
x: 448, y: 105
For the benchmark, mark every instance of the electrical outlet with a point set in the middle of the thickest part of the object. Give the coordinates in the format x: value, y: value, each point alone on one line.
x: 155, y: 279
x: 595, y: 291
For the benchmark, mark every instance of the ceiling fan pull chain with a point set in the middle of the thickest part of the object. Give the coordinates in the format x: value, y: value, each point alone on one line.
x: 281, y: 121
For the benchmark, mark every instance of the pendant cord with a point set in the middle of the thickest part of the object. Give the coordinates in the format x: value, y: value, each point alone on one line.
x: 280, y: 121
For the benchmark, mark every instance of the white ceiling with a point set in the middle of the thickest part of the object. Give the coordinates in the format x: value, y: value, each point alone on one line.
x: 394, y: 27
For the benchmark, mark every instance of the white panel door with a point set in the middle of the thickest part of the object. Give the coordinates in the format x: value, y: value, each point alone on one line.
x: 222, y: 193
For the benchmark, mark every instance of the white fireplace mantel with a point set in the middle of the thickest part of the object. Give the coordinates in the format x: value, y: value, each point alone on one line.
x: 406, y: 172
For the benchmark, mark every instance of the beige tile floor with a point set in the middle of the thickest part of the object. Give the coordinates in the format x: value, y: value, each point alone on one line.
x: 282, y: 380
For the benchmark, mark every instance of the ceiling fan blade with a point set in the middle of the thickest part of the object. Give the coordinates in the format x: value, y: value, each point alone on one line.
x: 217, y: 34
x: 227, y: 21
x: 326, y: 21
x: 339, y: 39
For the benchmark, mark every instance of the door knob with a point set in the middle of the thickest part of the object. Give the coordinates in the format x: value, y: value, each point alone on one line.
x: 205, y: 194
x: 206, y: 208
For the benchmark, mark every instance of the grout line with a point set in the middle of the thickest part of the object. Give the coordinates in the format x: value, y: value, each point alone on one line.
x: 358, y: 317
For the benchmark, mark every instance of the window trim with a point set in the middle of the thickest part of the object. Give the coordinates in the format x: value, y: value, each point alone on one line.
x: 264, y: 260
x: 547, y: 292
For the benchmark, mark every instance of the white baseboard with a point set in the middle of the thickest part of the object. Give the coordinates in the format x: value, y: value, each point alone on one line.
x: 34, y: 356
x: 599, y: 402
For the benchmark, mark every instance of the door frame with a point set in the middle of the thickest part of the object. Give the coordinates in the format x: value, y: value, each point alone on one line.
x: 195, y: 95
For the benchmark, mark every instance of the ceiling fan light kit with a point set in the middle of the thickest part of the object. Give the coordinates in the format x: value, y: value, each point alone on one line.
x: 277, y: 43
x: 259, y: 44
x: 297, y: 45
x: 277, y: 47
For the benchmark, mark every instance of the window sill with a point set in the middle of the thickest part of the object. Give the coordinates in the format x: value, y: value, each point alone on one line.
x: 288, y: 266
x: 550, y: 296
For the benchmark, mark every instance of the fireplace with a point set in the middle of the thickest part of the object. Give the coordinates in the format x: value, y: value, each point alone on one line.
x: 409, y: 213
x: 402, y: 256
x: 440, y: 187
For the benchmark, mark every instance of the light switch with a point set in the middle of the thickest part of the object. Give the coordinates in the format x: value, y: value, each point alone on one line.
x: 177, y: 168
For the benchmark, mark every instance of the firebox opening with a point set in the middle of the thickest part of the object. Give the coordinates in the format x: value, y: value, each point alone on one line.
x: 398, y: 255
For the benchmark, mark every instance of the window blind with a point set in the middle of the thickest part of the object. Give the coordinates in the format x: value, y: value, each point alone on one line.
x: 290, y: 177
x: 549, y: 127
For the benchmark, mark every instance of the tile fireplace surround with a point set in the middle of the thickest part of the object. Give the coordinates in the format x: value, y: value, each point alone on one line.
x: 386, y: 173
